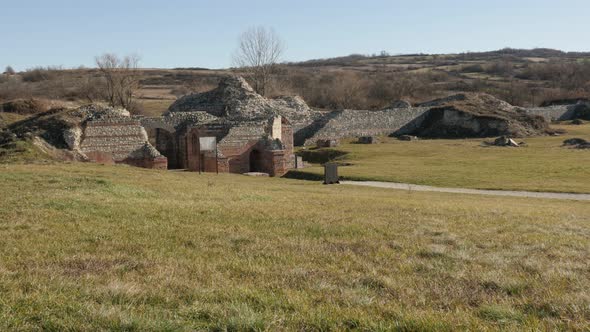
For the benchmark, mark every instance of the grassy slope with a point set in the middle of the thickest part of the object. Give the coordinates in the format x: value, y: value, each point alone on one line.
x: 92, y: 247
x: 544, y: 165
x: 155, y: 107
x: 9, y: 118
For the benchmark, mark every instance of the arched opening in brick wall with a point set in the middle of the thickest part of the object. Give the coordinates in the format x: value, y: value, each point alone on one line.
x: 165, y: 142
x: 256, y: 161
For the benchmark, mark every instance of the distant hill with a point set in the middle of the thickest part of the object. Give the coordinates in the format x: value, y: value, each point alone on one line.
x: 523, y: 54
x: 519, y: 76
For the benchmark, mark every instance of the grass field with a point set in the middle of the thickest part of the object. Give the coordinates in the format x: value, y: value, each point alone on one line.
x: 9, y: 118
x: 155, y: 107
x: 543, y: 165
x: 90, y: 247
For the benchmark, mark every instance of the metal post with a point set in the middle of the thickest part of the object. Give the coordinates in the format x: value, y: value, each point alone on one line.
x: 216, y: 158
x: 199, y: 155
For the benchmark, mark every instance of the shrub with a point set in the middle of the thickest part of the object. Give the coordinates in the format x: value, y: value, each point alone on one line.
x: 476, y: 68
x: 40, y: 74
x: 9, y: 70
x: 25, y: 106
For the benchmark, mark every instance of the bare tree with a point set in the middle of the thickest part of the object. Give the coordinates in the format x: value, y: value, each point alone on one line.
x: 259, y: 51
x: 121, y: 76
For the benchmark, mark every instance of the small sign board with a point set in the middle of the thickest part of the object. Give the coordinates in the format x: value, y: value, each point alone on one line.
x: 331, y: 173
x: 299, y: 162
x: 207, y: 143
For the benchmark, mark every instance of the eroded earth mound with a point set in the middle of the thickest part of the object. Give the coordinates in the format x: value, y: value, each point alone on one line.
x: 476, y: 115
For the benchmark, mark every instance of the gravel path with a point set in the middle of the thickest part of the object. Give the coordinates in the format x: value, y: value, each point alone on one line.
x: 413, y: 187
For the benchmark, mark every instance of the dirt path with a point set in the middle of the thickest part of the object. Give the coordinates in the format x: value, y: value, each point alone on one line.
x: 413, y: 187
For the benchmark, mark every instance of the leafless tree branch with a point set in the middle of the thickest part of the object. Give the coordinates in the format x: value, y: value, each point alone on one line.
x: 259, y: 51
x: 121, y: 76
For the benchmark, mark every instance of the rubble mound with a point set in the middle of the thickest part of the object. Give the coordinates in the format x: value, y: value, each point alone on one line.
x: 506, y: 141
x: 575, y: 141
x: 233, y: 98
x: 578, y: 143
x: 50, y: 126
x: 293, y: 108
x: 476, y: 115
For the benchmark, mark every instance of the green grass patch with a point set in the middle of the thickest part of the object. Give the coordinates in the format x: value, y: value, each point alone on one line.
x: 543, y: 165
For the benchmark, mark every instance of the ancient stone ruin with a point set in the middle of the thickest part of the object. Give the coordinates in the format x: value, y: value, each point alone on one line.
x: 253, y: 134
x: 457, y: 116
x: 92, y: 133
x: 113, y: 136
x: 474, y: 115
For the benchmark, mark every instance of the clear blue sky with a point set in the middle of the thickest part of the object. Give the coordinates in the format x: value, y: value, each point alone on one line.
x: 198, y: 33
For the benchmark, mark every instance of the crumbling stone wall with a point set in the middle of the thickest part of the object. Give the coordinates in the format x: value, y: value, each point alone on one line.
x: 119, y: 139
x: 356, y: 123
x: 551, y: 113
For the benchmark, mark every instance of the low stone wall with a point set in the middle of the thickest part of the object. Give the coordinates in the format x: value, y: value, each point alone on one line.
x: 356, y: 123
x: 551, y: 113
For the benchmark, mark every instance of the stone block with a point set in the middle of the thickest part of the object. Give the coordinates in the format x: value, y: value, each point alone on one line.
x: 331, y: 173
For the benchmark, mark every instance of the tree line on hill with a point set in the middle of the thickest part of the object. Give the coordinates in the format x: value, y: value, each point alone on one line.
x: 521, y: 77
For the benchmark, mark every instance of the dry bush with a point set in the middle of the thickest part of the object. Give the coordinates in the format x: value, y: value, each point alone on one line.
x: 357, y: 90
x: 39, y: 74
x: 341, y: 90
x: 135, y: 107
x: 88, y: 88
x: 25, y: 106
x: 503, y: 68
x: 9, y: 70
x: 121, y: 77
x: 475, y: 68
x: 13, y: 87
x: 572, y: 75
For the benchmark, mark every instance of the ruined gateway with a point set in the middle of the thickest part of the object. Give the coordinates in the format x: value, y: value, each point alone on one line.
x: 253, y: 133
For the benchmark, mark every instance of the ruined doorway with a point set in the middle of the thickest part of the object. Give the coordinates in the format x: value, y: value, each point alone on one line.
x: 255, y: 161
x: 165, y: 142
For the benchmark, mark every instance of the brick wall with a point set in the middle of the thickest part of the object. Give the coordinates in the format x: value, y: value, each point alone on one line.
x: 235, y: 148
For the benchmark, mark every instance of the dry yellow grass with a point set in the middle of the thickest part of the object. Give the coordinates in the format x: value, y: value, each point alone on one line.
x: 90, y: 247
x: 9, y: 118
x: 155, y: 107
